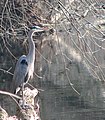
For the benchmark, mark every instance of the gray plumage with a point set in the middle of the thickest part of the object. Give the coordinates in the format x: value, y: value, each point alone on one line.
x: 25, y: 65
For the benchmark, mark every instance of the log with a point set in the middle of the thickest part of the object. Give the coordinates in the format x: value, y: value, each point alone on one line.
x: 30, y: 111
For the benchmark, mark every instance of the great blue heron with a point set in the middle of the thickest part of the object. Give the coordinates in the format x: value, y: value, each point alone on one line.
x: 25, y: 65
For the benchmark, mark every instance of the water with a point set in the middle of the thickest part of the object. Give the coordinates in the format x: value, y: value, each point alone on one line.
x: 62, y: 104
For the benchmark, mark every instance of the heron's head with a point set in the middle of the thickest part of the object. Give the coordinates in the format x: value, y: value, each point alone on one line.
x: 40, y: 31
x: 37, y: 29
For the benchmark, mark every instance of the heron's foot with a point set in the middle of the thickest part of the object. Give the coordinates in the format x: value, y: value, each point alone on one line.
x: 24, y: 105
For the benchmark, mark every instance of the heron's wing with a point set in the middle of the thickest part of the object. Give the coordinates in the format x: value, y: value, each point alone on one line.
x: 20, y: 73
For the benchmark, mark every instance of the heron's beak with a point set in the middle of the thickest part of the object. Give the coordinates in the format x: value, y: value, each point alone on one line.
x: 39, y: 29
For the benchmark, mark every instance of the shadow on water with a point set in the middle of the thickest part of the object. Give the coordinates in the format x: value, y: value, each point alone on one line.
x: 62, y: 104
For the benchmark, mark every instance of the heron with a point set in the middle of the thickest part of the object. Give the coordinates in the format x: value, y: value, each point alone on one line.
x: 25, y: 65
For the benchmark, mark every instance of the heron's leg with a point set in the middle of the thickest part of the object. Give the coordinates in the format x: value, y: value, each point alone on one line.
x: 23, y: 95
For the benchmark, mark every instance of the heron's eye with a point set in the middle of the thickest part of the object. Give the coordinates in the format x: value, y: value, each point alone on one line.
x: 24, y: 62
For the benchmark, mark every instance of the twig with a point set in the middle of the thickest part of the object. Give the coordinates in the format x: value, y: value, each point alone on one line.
x: 6, y: 71
x: 10, y: 94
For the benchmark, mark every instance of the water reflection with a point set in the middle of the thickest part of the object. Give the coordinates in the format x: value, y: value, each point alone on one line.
x: 61, y: 104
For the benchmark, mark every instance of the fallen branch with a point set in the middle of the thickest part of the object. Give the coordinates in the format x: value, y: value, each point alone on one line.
x: 10, y: 94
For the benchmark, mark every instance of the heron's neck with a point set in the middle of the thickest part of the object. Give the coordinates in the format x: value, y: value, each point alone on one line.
x: 31, y: 54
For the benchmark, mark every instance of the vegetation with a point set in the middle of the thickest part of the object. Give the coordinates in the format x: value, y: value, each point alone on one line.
x: 72, y: 59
